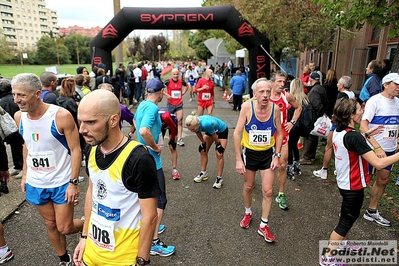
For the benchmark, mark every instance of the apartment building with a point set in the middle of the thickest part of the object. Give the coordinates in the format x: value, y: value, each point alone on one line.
x: 24, y: 22
x: 89, y: 32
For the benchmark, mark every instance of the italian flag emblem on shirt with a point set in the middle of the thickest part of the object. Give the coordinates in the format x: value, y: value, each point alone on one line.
x: 35, y: 137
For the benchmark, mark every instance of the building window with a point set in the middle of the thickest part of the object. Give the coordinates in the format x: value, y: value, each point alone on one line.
x: 375, y: 36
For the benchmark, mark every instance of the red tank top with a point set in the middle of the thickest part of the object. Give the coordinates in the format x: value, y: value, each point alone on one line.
x: 284, y: 106
x: 175, y: 90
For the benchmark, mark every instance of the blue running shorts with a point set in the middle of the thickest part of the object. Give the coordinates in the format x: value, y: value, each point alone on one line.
x: 41, y: 196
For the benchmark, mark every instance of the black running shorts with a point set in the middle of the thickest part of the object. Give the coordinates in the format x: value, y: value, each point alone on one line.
x: 257, y: 160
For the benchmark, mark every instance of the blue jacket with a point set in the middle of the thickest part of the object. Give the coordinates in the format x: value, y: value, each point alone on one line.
x: 237, y: 84
x: 371, y: 87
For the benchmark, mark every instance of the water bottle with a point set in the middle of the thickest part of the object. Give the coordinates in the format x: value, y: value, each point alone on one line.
x: 397, y: 181
x: 160, y: 140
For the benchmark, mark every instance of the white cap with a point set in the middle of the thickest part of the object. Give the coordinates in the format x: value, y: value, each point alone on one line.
x: 391, y: 77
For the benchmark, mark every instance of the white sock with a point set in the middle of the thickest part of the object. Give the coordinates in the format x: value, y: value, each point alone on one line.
x: 263, y: 222
x: 248, y: 210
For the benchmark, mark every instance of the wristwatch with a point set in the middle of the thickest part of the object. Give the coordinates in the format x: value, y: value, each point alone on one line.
x: 366, y: 135
x: 141, y: 261
x: 74, y: 181
x: 278, y: 155
x: 293, y: 122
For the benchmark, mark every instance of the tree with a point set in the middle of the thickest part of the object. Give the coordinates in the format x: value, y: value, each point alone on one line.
x: 196, y: 41
x: 50, y: 50
x: 179, y: 48
x: 355, y: 13
x: 6, y: 52
x: 151, y: 52
x: 78, y: 44
x: 294, y: 24
x: 135, y: 48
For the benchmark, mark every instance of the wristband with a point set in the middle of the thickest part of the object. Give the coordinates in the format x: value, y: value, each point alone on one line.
x: 83, y: 237
x: 378, y: 148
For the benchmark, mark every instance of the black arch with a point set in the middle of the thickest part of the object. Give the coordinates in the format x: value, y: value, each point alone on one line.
x: 216, y: 17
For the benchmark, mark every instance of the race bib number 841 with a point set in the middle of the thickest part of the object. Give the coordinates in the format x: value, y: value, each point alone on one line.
x: 41, y: 161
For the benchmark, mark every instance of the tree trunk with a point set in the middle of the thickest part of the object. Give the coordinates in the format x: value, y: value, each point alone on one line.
x: 395, y: 63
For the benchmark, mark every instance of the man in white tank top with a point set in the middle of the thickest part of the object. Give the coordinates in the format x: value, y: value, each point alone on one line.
x: 52, y: 159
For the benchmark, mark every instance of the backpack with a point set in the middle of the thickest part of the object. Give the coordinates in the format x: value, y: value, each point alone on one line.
x: 304, y: 125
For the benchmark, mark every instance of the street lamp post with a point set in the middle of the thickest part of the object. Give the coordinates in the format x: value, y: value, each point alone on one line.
x: 20, y: 49
x: 159, y: 52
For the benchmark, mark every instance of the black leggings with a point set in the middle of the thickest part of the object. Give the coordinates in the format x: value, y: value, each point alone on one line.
x: 161, y: 198
x: 293, y: 152
x: 352, y: 201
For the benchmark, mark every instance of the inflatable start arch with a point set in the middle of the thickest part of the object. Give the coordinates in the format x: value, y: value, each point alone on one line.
x: 218, y: 17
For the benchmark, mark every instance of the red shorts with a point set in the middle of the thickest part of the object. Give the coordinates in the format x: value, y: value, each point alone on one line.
x: 205, y: 104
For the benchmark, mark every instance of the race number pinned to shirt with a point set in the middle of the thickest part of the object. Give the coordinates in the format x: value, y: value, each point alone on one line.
x: 390, y: 132
x: 41, y: 161
x: 260, y: 137
x: 206, y: 96
x: 101, y: 233
x: 176, y: 94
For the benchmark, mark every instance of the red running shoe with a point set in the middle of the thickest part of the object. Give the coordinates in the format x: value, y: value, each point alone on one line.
x: 265, y: 232
x: 246, y: 221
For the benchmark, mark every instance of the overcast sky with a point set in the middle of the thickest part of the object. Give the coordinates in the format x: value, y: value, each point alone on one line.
x: 92, y: 13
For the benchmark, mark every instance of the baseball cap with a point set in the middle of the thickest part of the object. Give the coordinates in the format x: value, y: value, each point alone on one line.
x: 154, y: 85
x: 315, y: 76
x: 391, y: 77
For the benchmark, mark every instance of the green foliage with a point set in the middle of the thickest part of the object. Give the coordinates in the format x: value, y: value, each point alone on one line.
x: 354, y: 13
x: 81, y: 44
x: 196, y: 41
x: 179, y: 48
x: 50, y: 51
x: 6, y: 53
x: 294, y: 24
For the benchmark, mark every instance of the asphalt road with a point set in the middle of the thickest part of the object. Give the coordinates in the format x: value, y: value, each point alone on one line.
x: 203, y: 223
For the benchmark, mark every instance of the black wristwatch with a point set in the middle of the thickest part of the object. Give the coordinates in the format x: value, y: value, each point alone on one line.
x: 74, y: 181
x: 366, y: 135
x: 293, y: 122
x: 278, y: 155
x: 141, y: 261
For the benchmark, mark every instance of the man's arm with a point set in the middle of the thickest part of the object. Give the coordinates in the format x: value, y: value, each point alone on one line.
x: 149, y: 139
x: 242, y: 119
x: 279, y: 137
x: 69, y: 129
x: 17, y: 118
x: 80, y: 248
x: 149, y: 211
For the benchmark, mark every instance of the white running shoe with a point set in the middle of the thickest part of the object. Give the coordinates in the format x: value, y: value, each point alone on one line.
x: 201, y: 177
x: 14, y: 172
x: 320, y: 173
x: 218, y: 183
